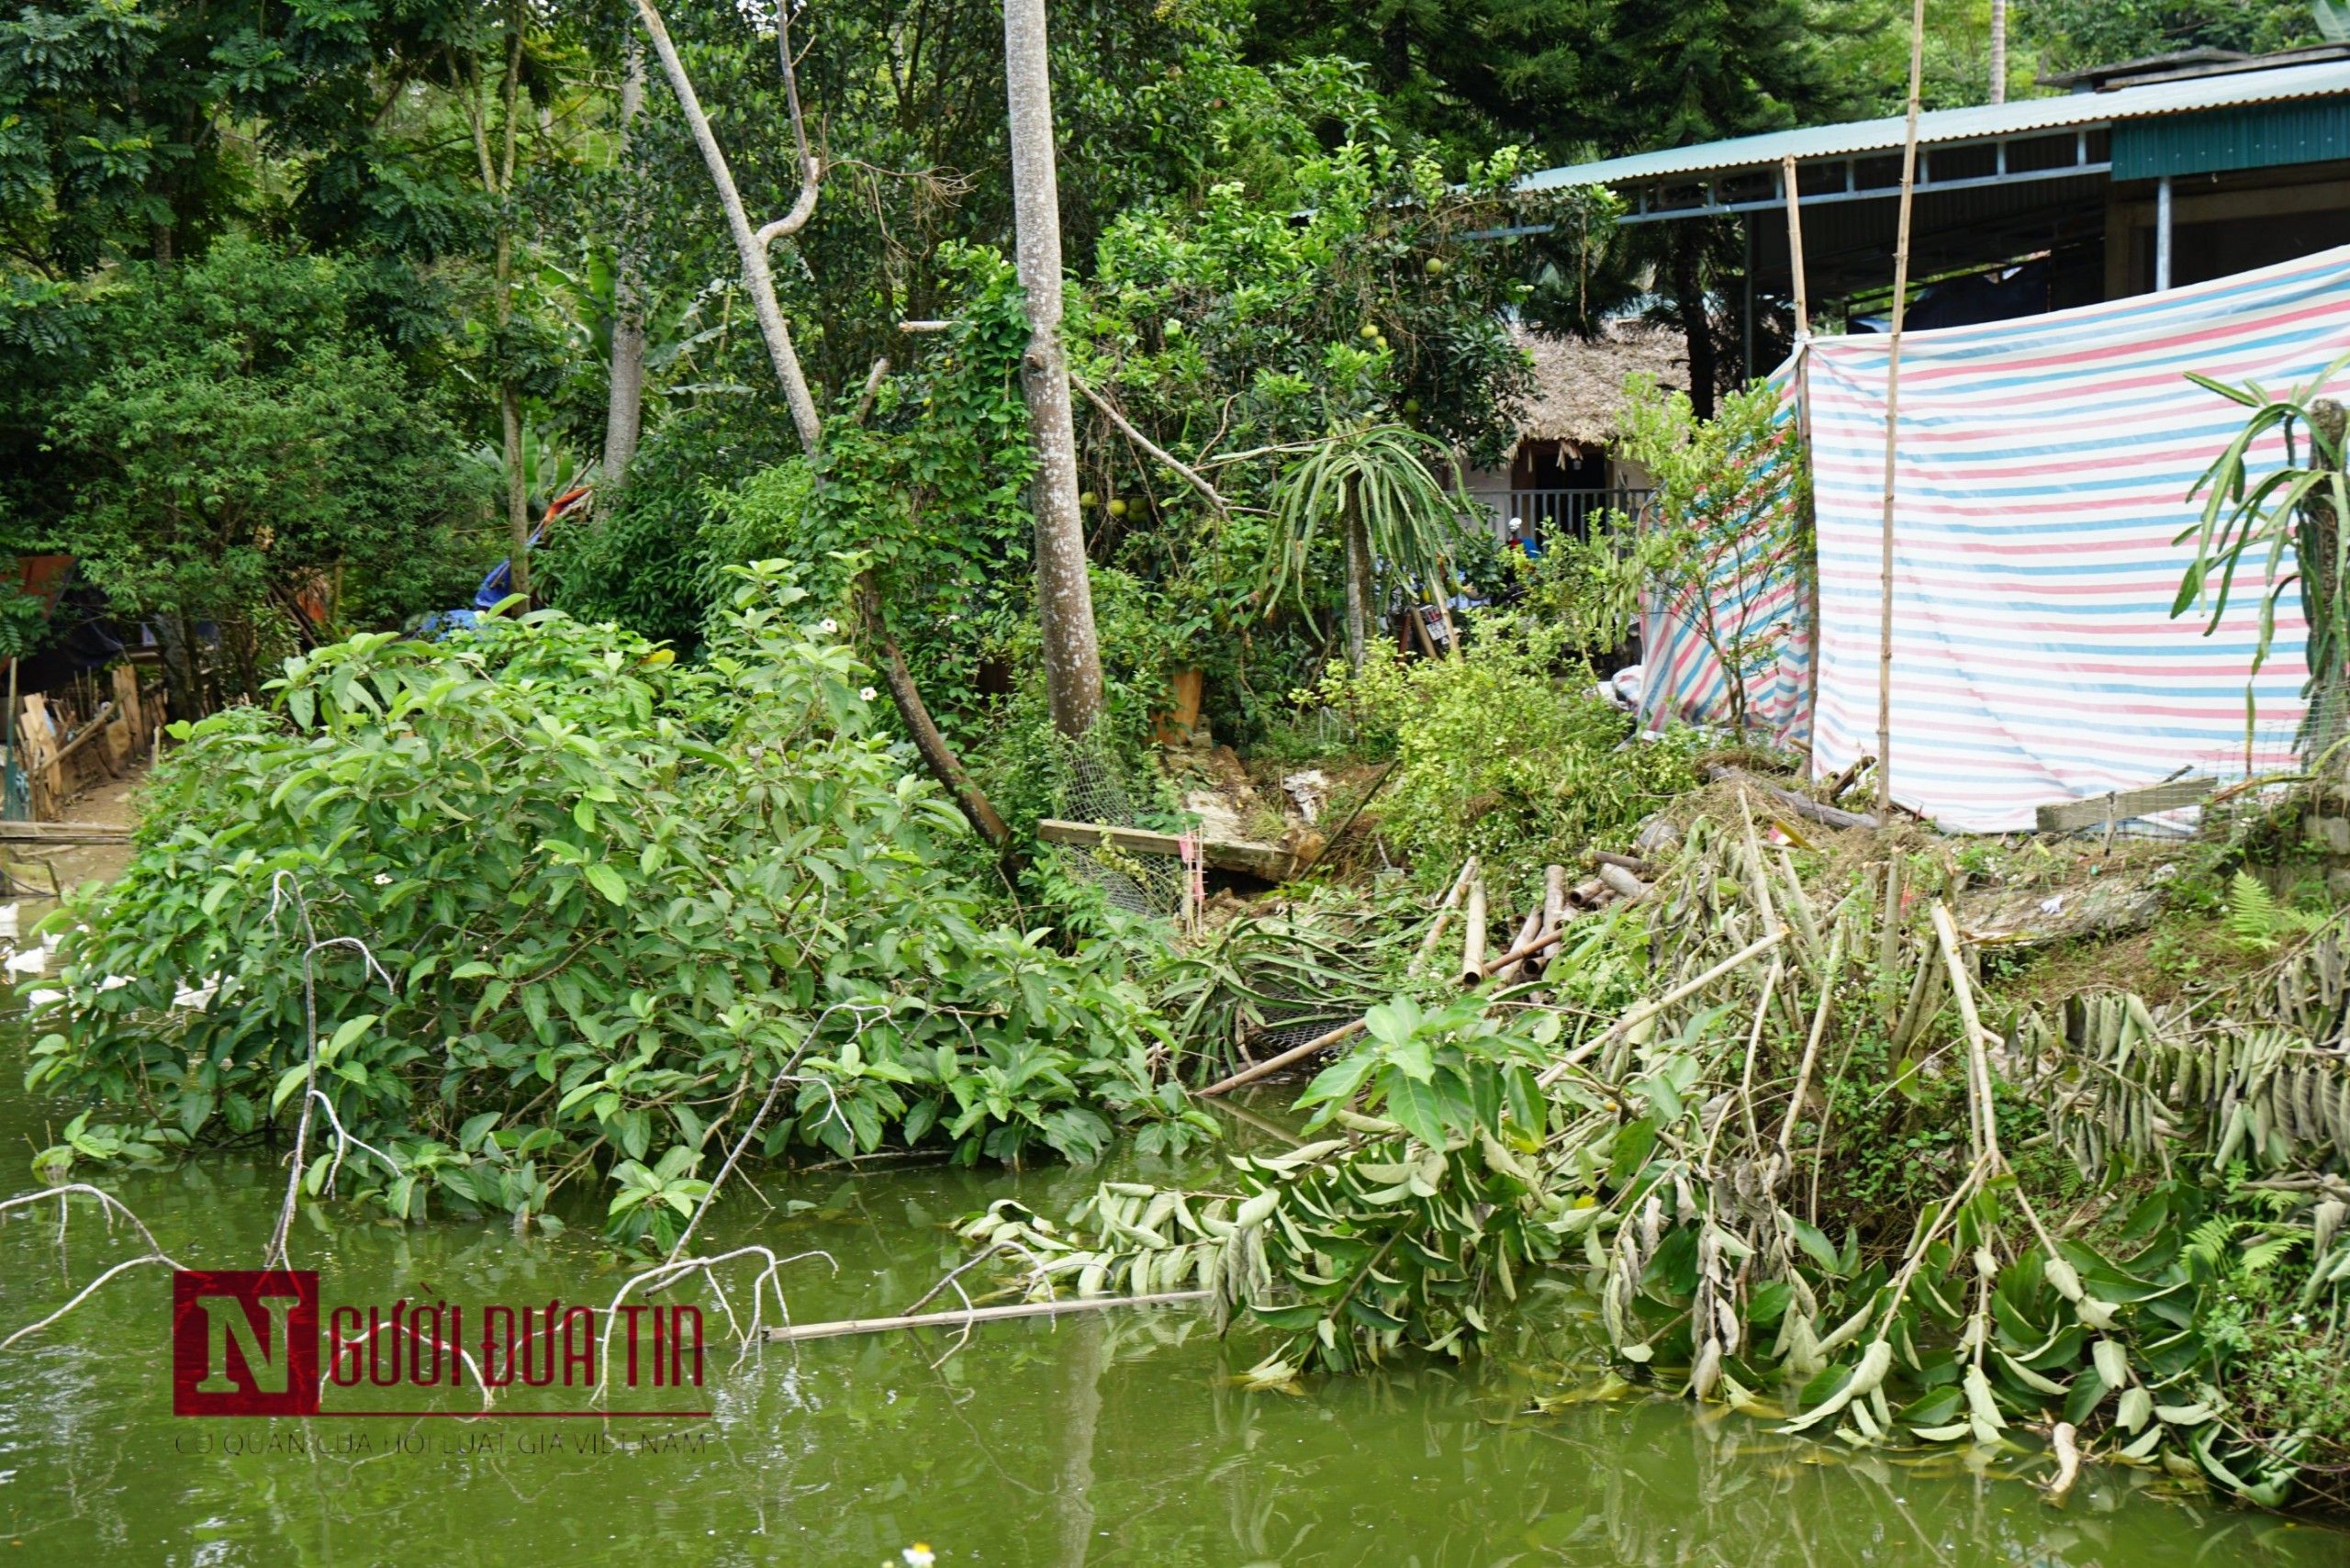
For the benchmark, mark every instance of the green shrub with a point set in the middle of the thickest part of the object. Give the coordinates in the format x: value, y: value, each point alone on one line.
x: 1497, y: 755
x: 607, y: 901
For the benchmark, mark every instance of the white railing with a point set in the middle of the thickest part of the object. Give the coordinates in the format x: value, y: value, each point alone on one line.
x: 1554, y: 514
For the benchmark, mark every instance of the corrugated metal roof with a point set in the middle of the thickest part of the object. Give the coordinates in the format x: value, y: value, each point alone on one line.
x: 2257, y: 137
x: 1985, y: 123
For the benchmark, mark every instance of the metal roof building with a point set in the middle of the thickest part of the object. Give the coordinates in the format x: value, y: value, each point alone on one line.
x: 2147, y: 175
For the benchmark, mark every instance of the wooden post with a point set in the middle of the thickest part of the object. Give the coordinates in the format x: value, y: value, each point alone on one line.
x: 1892, y: 421
x: 44, y: 780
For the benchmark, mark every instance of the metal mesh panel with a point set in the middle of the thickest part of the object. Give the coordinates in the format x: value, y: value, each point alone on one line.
x: 1092, y: 790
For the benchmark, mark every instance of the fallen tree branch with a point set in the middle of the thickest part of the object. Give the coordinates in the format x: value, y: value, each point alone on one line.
x: 1157, y: 452
x: 1648, y: 1010
x: 979, y: 1314
x: 1802, y: 805
x: 1444, y: 914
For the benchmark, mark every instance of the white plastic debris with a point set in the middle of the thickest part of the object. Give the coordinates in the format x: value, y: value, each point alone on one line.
x: 2051, y: 906
x: 1310, y: 790
x: 1631, y: 682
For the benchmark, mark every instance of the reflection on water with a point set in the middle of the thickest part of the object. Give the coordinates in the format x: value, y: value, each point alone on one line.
x: 1104, y: 1439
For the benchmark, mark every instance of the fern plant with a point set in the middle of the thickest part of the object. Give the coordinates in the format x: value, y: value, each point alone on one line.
x: 2255, y: 919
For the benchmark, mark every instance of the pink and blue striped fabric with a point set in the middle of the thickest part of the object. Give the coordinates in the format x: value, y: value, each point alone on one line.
x: 2043, y: 472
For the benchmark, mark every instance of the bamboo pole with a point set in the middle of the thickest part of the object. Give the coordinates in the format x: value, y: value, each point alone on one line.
x: 1554, y: 905
x: 1529, y: 943
x: 1473, y: 939
x: 1892, y: 420
x: 965, y: 1318
x: 1505, y: 968
x: 1794, y: 253
x: 1274, y: 1064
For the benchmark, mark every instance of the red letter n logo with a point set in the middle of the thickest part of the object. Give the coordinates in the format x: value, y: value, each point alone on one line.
x: 245, y: 1342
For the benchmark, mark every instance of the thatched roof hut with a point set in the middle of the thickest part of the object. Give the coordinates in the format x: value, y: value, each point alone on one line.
x: 1579, y: 382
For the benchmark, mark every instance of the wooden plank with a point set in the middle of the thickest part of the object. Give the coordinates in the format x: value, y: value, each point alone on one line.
x: 1270, y: 861
x: 60, y: 832
x: 44, y: 779
x: 2120, y: 805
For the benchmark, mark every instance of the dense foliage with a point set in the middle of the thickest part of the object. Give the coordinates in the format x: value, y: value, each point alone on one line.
x: 241, y: 444
x: 1505, y: 752
x: 557, y: 908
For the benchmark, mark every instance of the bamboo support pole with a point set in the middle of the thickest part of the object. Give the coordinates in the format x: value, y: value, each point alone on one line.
x: 1794, y: 251
x: 1275, y: 1063
x: 965, y: 1318
x: 1892, y: 420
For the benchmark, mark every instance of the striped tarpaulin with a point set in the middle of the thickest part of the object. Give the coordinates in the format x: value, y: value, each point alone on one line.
x: 2042, y: 471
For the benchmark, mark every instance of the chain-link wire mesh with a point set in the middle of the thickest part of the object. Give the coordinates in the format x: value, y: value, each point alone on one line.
x: 2280, y: 755
x: 1093, y: 789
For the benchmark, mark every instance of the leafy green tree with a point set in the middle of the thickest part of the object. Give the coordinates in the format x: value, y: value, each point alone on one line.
x: 695, y: 908
x: 2072, y: 34
x: 243, y: 444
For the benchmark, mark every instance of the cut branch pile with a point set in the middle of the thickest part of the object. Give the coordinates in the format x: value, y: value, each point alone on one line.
x: 1679, y: 1151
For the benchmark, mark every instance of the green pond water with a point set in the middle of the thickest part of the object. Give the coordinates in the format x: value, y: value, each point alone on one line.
x: 1115, y: 1437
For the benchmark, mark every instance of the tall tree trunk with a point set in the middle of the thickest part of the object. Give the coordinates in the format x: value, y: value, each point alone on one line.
x: 1697, y: 323
x: 518, y: 492
x: 509, y: 393
x: 1358, y: 588
x: 750, y: 246
x: 624, y: 409
x: 1064, y: 593
x: 1999, y: 51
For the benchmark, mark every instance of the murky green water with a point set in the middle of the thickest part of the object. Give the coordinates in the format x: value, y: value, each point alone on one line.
x: 1107, y: 1439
